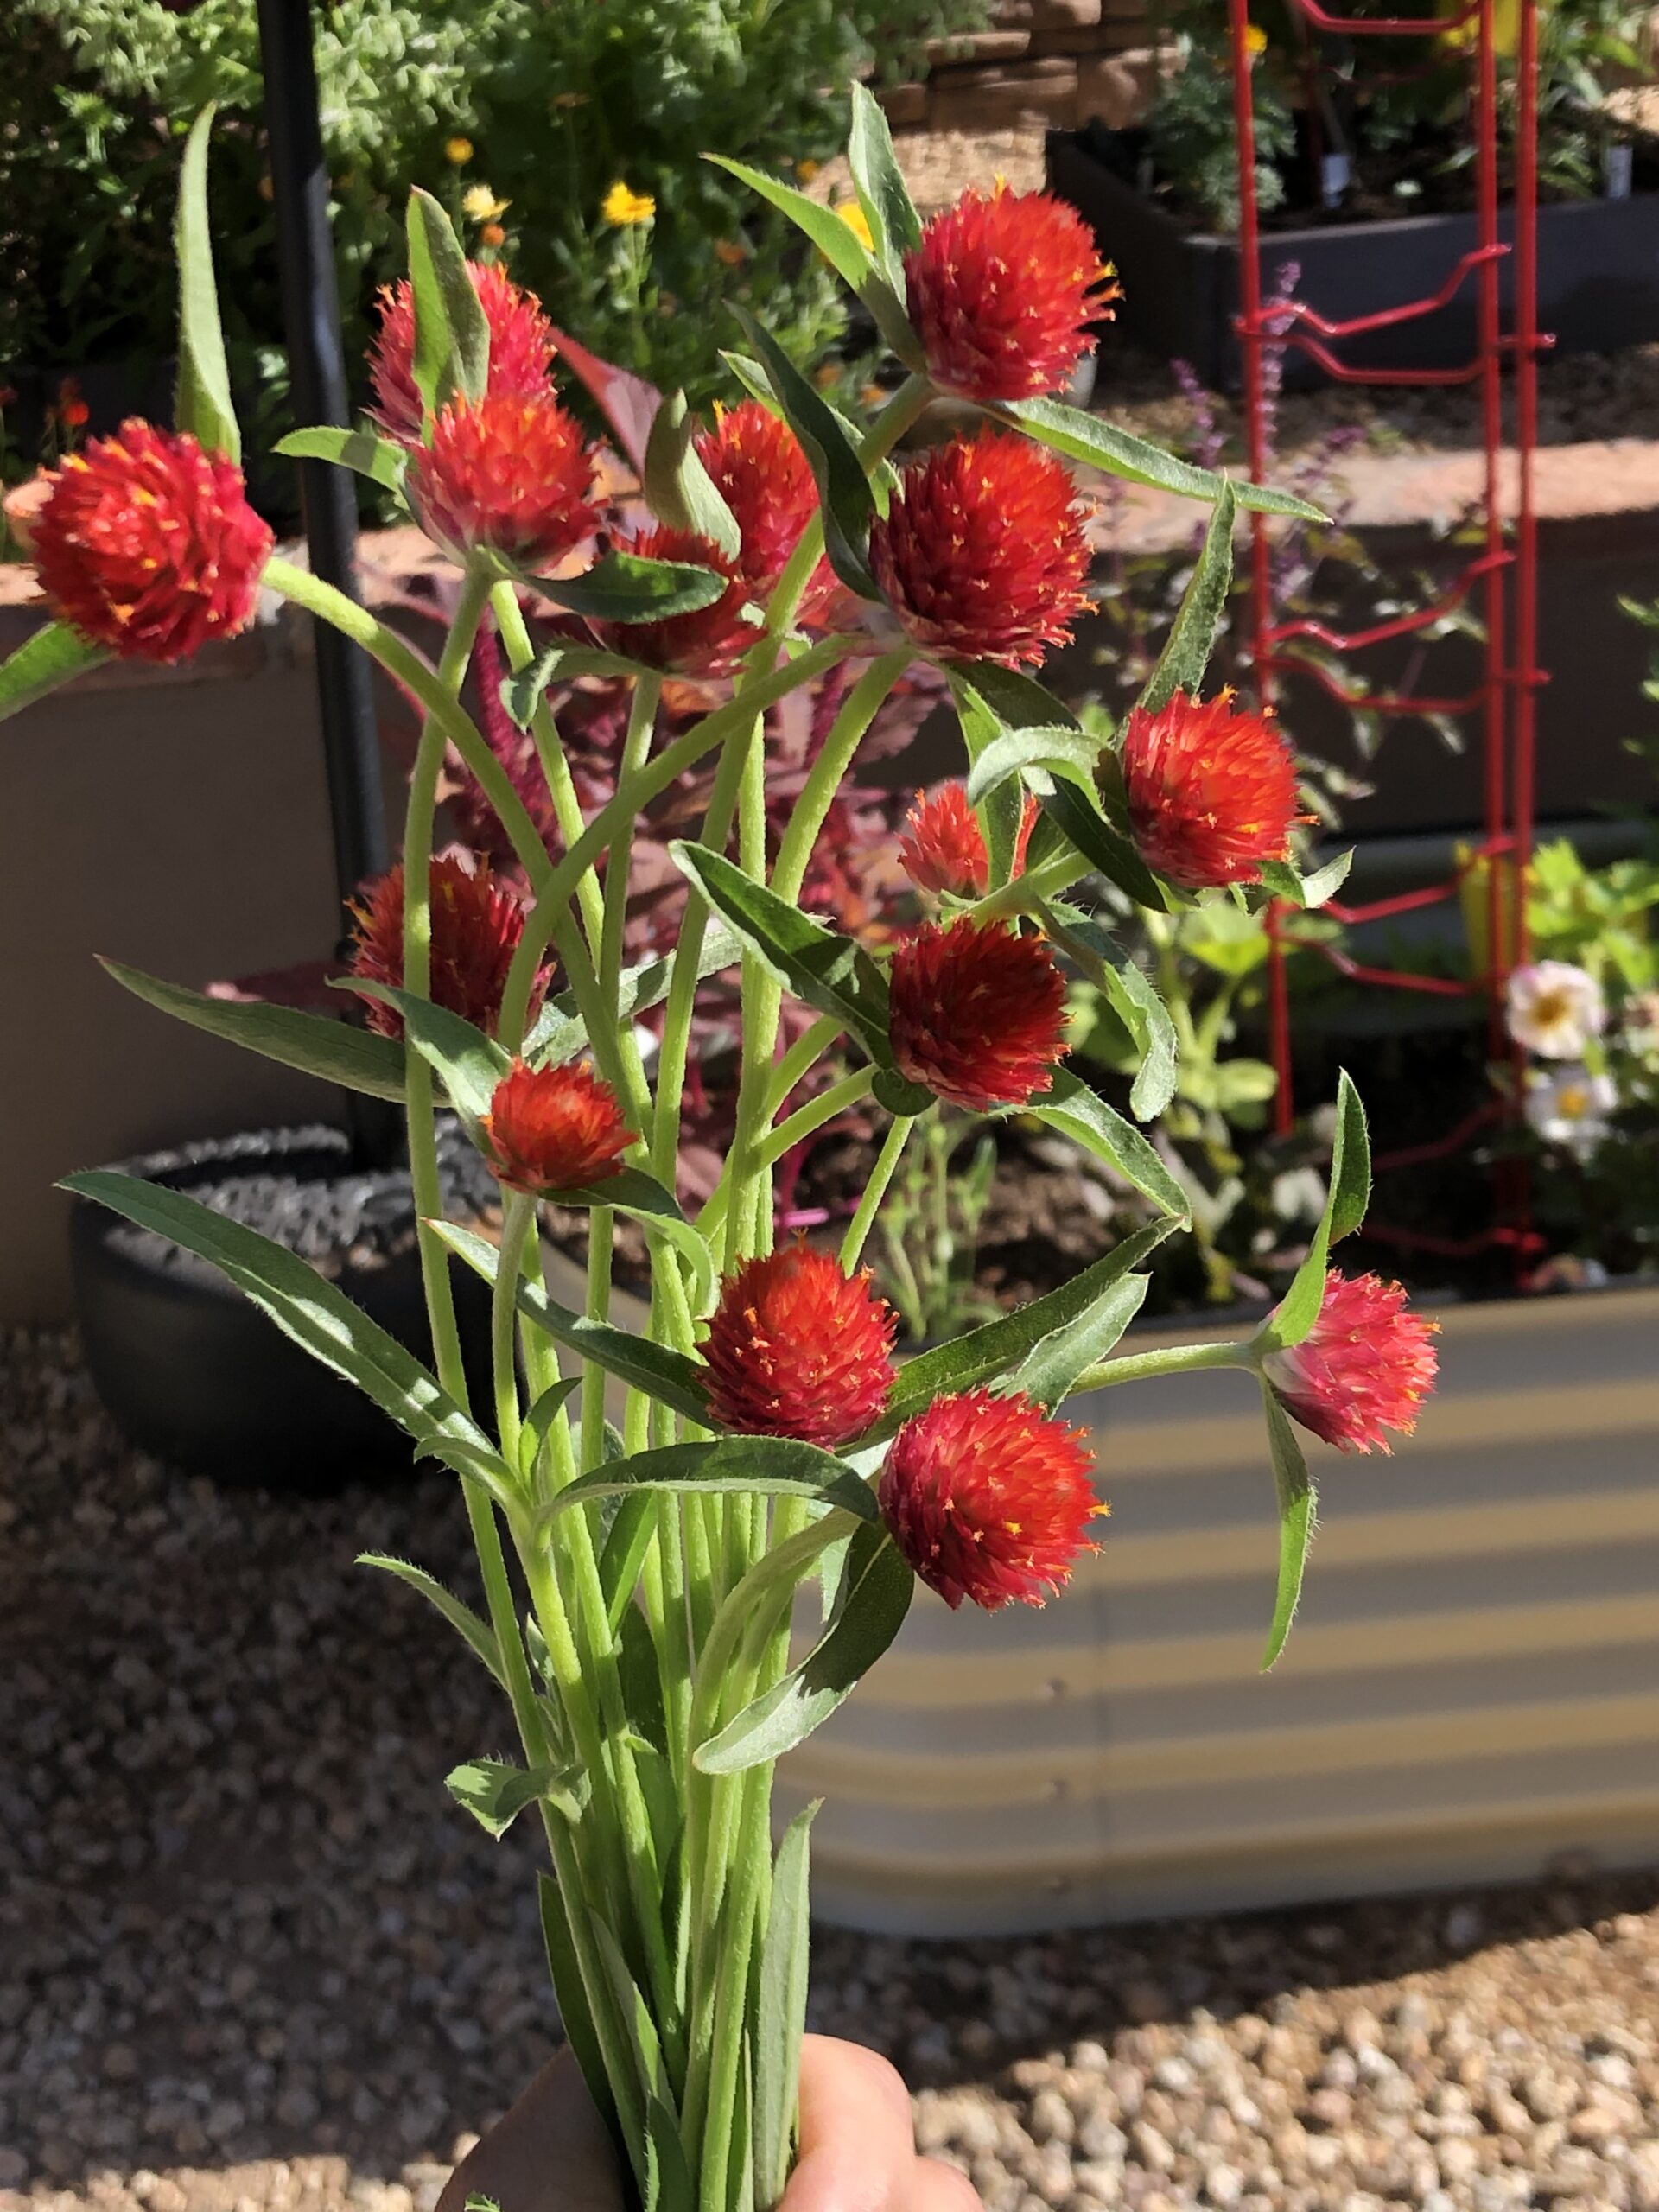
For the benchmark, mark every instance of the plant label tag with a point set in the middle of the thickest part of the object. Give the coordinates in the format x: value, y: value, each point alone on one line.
x: 1336, y: 173
x: 1616, y: 165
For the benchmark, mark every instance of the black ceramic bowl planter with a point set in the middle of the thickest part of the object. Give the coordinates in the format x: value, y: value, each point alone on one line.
x: 192, y: 1371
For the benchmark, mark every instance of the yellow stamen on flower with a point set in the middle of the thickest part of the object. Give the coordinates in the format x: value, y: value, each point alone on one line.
x: 458, y: 151
x: 480, y: 204
x: 626, y: 208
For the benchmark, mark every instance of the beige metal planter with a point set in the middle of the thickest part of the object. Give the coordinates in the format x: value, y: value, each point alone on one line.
x: 1472, y: 1685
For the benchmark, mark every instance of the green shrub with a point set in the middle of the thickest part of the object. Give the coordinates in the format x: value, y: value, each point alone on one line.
x: 557, y: 100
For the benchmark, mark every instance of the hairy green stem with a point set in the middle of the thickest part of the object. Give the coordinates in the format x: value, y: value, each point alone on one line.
x: 1173, y: 1359
x: 887, y: 1162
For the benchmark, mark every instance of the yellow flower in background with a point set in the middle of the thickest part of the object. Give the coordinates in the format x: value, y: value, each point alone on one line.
x: 857, y: 222
x: 1506, y: 27
x: 458, y: 151
x: 625, y: 207
x: 481, y: 205
x: 1255, y: 39
x: 807, y: 168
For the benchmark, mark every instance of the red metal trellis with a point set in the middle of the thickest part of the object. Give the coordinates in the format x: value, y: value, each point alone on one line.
x: 1504, y: 572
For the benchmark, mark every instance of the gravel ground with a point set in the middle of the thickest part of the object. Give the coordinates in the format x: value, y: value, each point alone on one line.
x: 253, y: 1957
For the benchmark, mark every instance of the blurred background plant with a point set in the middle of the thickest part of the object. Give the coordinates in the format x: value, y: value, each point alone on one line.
x: 524, y: 115
x: 930, y: 1226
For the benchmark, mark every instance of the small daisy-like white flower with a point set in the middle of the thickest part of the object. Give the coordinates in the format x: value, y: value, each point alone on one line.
x: 1554, y: 1009
x: 1570, y: 1106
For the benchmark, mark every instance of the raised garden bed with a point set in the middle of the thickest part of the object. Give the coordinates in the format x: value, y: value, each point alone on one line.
x: 1598, y: 269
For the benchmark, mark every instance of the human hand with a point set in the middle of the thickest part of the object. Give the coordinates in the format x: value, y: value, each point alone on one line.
x: 551, y: 2153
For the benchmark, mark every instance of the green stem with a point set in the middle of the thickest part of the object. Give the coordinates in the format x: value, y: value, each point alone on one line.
x: 858, y: 711
x: 1022, y: 894
x: 800, y: 1060
x: 769, y: 1149
x: 886, y: 1161
x: 518, y: 1218
x: 1174, y: 1359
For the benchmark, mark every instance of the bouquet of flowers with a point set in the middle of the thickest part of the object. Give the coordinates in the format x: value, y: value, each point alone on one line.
x: 694, y: 1541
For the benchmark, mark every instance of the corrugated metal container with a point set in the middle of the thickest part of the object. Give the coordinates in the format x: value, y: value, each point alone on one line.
x: 1472, y: 1687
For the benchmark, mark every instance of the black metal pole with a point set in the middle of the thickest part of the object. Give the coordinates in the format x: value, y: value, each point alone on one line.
x: 316, y: 360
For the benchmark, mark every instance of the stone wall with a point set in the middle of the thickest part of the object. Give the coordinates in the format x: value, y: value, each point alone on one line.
x: 1045, y: 63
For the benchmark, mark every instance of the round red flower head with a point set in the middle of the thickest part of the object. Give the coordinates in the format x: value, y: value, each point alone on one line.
x: 1211, y: 792
x: 708, y: 641
x: 552, y: 1129
x: 982, y: 552
x: 976, y: 1014
x: 521, y: 349
x: 943, y: 848
x: 1364, y: 1368
x: 796, y: 1348
x: 758, y: 467
x: 508, y: 475
x: 1002, y: 290
x: 148, y: 545
x: 476, y: 925
x: 990, y: 1499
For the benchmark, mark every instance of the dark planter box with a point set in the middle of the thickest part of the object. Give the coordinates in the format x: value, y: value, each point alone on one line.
x: 1598, y: 272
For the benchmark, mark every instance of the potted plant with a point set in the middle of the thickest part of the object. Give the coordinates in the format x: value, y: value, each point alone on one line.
x: 1365, y: 181
x: 767, y: 1443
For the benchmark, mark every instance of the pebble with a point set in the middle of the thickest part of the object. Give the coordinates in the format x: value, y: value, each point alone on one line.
x: 257, y: 1961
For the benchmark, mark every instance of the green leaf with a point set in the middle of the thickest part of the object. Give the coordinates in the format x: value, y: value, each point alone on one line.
x: 759, y: 1466
x: 1298, y: 1507
x: 1132, y: 998
x: 1101, y: 843
x: 844, y: 492
x: 663, y: 1374
x: 1003, y: 699
x: 558, y: 1032
x: 539, y: 1420
x: 1286, y: 881
x: 878, y: 1588
x: 522, y: 694
x: 668, y: 2186
x: 570, y: 1995
x: 847, y: 255
x: 1192, y: 634
x: 469, y: 1063
x: 52, y: 655
x: 495, y: 1794
x: 899, y: 1096
x: 624, y: 1555
x: 628, y: 587
x: 986, y: 1353
x: 479, y: 1636
x: 826, y: 971
x: 1050, y: 1371
x: 452, y: 332
x: 1069, y: 751
x: 780, y: 2007
x: 634, y: 2012
x: 882, y: 193
x: 678, y: 488
x: 201, y: 400
x: 1349, y: 1194
x: 304, y: 1306
x: 631, y: 1191
x: 1078, y: 1112
x: 362, y: 450
x: 317, y: 1043
x: 1092, y: 439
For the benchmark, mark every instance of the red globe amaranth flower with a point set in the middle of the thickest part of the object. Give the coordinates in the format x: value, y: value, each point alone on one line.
x: 709, y: 640
x: 476, y: 926
x: 148, y: 545
x: 521, y: 349
x: 943, y: 850
x: 982, y: 552
x: 552, y: 1129
x: 1211, y: 792
x: 1002, y: 290
x: 510, y: 474
x: 976, y: 1014
x: 990, y: 1499
x: 1365, y: 1367
x: 795, y: 1348
x: 758, y: 467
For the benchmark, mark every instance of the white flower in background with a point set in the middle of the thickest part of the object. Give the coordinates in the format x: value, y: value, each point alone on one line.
x: 1555, y: 1009
x: 1641, y: 1023
x: 1570, y: 1107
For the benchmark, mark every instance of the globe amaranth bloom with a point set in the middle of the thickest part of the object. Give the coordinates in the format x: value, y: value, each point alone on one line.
x: 1002, y: 288
x: 976, y: 1014
x: 507, y: 475
x: 1365, y: 1366
x: 943, y: 847
x: 982, y: 553
x: 476, y: 925
x: 148, y: 545
x: 990, y: 1499
x: 756, y: 464
x: 1211, y: 792
x: 796, y: 1348
x: 710, y: 640
x: 552, y: 1129
x: 521, y: 350
x: 1555, y: 1009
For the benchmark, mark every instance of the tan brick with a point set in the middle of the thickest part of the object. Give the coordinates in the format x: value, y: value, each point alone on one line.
x: 979, y: 47
x: 1082, y: 38
x: 904, y: 106
x: 1117, y: 89
x: 1015, y: 15
x: 1064, y: 15
x: 1004, y: 98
